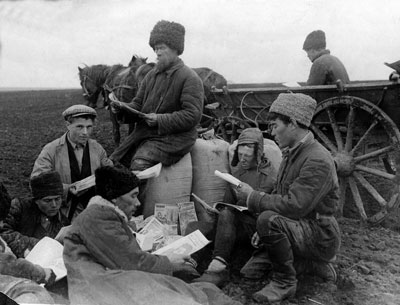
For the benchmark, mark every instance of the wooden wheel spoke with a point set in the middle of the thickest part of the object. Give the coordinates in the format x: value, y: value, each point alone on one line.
x: 350, y: 129
x: 335, y: 129
x: 370, y: 189
x: 374, y: 171
x: 324, y: 138
x: 365, y: 135
x: 342, y: 194
x: 373, y: 154
x: 357, y: 197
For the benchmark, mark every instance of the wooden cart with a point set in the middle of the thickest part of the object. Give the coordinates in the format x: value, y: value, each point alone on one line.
x: 357, y: 122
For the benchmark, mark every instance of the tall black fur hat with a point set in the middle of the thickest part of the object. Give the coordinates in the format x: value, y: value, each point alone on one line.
x: 114, y: 181
x: 315, y: 40
x: 170, y: 33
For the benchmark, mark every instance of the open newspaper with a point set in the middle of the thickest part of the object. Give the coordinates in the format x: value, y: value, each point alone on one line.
x: 216, y: 206
x: 186, y: 245
x: 48, y: 253
x: 90, y: 181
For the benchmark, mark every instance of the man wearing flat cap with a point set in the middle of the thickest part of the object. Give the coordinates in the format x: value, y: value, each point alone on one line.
x: 31, y: 219
x: 296, y: 224
x: 326, y: 69
x: 171, y: 98
x: 74, y: 155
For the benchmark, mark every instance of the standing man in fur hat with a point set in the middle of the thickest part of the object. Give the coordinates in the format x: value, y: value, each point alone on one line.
x: 326, y: 68
x: 31, y: 219
x: 74, y: 156
x: 296, y: 222
x: 171, y: 98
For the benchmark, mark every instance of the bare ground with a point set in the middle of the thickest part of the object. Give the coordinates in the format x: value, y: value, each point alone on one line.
x: 368, y: 263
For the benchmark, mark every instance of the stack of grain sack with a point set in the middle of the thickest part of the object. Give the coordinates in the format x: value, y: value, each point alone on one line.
x: 194, y: 173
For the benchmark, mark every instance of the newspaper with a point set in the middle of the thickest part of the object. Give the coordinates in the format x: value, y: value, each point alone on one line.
x: 90, y: 181
x: 168, y: 215
x: 124, y: 106
x: 153, y: 228
x: 48, y: 253
x: 187, y: 213
x: 186, y: 245
x: 227, y: 177
x: 219, y: 205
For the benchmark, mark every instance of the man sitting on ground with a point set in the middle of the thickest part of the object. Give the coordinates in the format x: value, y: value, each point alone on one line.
x: 296, y: 221
x: 31, y: 219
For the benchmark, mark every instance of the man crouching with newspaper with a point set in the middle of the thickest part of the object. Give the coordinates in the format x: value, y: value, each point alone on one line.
x: 105, y: 263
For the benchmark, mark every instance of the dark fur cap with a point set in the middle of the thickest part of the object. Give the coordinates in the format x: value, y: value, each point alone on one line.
x: 170, y: 33
x: 5, y: 201
x: 46, y: 184
x: 315, y: 40
x: 114, y: 181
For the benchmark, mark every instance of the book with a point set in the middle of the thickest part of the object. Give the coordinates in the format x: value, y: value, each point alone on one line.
x: 48, y: 253
x: 187, y: 214
x: 228, y: 177
x: 185, y: 245
x: 168, y: 216
x: 90, y: 181
x: 124, y: 106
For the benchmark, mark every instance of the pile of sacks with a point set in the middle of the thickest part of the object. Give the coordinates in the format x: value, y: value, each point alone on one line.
x: 194, y: 173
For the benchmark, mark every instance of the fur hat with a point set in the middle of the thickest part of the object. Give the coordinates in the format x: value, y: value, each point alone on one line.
x: 297, y: 106
x: 315, y: 40
x: 46, y: 184
x: 250, y: 136
x: 114, y: 181
x: 170, y: 33
x: 5, y: 201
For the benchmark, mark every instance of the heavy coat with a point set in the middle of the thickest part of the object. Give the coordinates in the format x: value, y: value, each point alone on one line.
x: 176, y: 96
x: 22, y: 228
x: 106, y: 266
x: 54, y: 156
x: 307, y: 187
x: 326, y: 70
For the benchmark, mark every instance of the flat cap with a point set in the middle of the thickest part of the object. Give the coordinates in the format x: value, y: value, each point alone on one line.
x: 77, y: 111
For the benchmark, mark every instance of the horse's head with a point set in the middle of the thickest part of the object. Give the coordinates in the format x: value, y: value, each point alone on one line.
x: 142, y: 71
x: 136, y: 62
x: 210, y: 79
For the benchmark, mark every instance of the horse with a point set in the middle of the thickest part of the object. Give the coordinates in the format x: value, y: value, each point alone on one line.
x: 104, y: 79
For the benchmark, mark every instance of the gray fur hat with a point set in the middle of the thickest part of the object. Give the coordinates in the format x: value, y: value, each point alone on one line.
x: 170, y: 33
x: 297, y: 106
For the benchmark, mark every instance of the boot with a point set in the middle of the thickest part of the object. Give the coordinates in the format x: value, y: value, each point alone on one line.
x: 217, y: 273
x: 258, y: 266
x: 324, y: 270
x: 283, y: 283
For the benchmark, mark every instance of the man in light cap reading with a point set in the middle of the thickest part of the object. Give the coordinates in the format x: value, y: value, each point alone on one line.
x: 74, y: 155
x: 326, y: 68
x: 171, y: 100
x: 296, y: 226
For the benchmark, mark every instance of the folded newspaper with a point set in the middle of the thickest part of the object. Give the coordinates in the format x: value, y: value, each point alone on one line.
x: 186, y: 245
x: 90, y: 181
x: 215, y: 206
x: 227, y: 177
x: 48, y: 253
x: 124, y: 106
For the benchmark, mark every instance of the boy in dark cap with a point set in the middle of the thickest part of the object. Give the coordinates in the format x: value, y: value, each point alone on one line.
x: 296, y: 221
x: 171, y: 98
x: 326, y: 68
x: 31, y: 219
x: 74, y: 156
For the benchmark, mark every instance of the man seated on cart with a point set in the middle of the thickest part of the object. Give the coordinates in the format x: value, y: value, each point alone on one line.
x: 326, y: 69
x: 254, y: 168
x: 296, y: 225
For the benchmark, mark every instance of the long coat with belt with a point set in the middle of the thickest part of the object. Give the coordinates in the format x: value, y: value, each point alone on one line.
x: 176, y: 96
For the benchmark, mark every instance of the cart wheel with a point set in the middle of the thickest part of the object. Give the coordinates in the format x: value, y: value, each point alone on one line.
x: 229, y: 128
x: 365, y: 144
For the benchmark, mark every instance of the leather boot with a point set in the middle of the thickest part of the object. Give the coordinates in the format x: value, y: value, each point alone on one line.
x: 324, y: 270
x: 283, y: 283
x: 258, y: 266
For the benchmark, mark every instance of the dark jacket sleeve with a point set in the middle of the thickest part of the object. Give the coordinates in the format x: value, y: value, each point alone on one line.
x: 191, y: 101
x: 313, y: 183
x: 15, y: 240
x: 317, y: 74
x: 114, y: 246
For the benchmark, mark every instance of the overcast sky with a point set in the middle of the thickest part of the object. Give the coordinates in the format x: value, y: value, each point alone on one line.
x: 43, y: 42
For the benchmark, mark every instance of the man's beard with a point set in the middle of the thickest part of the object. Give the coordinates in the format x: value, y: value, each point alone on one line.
x: 164, y: 64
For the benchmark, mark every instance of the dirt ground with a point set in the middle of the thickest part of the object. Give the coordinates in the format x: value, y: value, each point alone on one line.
x: 368, y: 264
